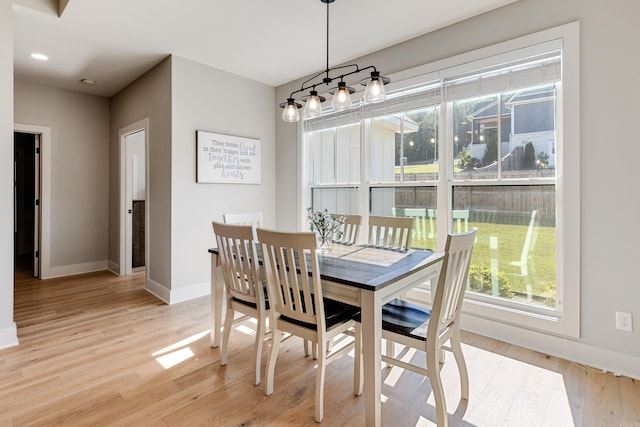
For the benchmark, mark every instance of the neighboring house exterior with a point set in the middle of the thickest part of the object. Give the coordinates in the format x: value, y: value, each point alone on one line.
x: 525, y: 116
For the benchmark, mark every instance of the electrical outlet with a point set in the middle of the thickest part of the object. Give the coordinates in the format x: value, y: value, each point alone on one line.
x: 624, y: 321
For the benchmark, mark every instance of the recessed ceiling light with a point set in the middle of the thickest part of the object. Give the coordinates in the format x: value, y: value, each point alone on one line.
x: 88, y: 82
x: 39, y: 56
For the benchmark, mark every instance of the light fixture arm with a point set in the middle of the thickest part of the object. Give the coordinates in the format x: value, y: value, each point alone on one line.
x: 328, y: 79
x: 290, y: 106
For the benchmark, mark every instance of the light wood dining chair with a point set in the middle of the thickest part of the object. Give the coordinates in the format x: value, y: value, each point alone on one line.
x: 350, y: 229
x: 390, y: 232
x: 254, y: 219
x: 429, y: 330
x: 298, y: 308
x: 420, y: 220
x: 244, y: 286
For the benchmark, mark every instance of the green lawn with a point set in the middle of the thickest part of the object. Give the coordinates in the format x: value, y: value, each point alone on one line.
x: 409, y: 169
x: 428, y: 168
x: 510, y: 240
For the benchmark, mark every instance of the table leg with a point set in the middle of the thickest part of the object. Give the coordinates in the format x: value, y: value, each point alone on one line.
x: 217, y: 289
x: 371, y: 309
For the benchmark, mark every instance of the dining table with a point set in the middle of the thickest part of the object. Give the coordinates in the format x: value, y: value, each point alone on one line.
x: 361, y: 275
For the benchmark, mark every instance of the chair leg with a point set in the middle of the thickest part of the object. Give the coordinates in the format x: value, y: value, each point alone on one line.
x: 322, y: 365
x: 276, y: 337
x: 358, y: 374
x: 257, y: 354
x: 433, y: 370
x: 456, y: 347
x: 390, y: 351
x: 306, y: 347
x: 228, y: 323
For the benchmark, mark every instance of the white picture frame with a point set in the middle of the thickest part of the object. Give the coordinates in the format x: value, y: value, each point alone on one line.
x: 227, y: 159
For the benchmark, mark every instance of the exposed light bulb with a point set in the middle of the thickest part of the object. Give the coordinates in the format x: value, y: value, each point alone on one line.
x: 313, y: 105
x: 290, y: 113
x: 341, y: 97
x: 374, y: 92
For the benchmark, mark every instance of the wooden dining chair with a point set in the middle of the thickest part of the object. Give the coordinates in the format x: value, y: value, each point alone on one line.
x: 298, y: 308
x: 253, y: 219
x: 419, y: 222
x: 390, y: 232
x: 244, y: 286
x: 350, y: 230
x: 429, y: 330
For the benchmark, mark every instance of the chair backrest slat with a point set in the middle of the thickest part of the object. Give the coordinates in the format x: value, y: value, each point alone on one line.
x: 350, y: 229
x: 239, y: 262
x: 390, y: 232
x: 254, y: 219
x: 449, y: 294
x: 289, y: 258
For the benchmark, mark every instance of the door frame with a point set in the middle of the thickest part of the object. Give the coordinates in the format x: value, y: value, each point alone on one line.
x: 122, y: 207
x: 44, y: 133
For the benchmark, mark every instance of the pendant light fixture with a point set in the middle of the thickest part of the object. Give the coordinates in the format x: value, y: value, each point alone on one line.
x: 374, y: 88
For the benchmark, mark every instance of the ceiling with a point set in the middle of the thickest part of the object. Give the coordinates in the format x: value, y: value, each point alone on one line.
x: 115, y: 41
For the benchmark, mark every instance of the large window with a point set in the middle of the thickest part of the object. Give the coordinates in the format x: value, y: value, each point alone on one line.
x: 480, y: 146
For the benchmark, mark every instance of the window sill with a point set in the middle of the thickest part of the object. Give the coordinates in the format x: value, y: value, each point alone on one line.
x: 536, y: 321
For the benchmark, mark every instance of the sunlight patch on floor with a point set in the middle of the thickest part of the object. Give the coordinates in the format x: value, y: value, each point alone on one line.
x: 172, y: 359
x: 178, y: 352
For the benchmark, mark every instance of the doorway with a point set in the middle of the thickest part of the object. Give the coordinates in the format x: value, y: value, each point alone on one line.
x: 26, y: 205
x: 133, y: 198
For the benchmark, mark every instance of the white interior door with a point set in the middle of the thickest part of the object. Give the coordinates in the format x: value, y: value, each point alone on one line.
x: 36, y: 213
x: 133, y: 187
x: 128, y: 206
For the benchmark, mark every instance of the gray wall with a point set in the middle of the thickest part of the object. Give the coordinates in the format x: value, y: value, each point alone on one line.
x: 79, y: 169
x: 147, y: 97
x: 179, y: 97
x: 208, y: 99
x: 8, y: 334
x: 609, y: 108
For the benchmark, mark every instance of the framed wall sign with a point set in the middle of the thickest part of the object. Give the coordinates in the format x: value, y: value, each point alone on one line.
x: 227, y: 159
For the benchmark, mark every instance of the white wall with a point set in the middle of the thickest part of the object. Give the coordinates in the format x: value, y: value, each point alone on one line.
x: 608, y: 160
x: 79, y: 172
x: 8, y: 333
x: 211, y: 100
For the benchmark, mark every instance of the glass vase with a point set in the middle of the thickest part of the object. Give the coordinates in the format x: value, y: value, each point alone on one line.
x: 325, y: 244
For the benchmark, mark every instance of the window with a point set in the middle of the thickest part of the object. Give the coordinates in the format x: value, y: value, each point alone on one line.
x: 479, y: 146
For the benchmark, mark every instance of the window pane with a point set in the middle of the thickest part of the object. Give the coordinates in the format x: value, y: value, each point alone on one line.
x: 514, y: 256
x: 532, y: 133
x: 322, y: 146
x: 517, y: 127
x: 348, y: 154
x: 475, y: 124
x: 383, y: 147
x: 416, y: 202
x: 404, y: 146
x: 335, y: 200
x: 336, y: 155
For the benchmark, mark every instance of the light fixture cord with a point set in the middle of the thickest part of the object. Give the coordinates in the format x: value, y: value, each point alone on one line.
x: 327, y: 69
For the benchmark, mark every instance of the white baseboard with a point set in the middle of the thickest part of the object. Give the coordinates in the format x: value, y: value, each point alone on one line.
x: 190, y: 292
x: 9, y: 336
x: 113, y: 267
x: 157, y: 290
x: 565, y: 348
x: 69, y: 270
x: 176, y: 296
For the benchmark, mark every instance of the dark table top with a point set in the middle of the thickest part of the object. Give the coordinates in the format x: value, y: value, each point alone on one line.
x: 368, y: 267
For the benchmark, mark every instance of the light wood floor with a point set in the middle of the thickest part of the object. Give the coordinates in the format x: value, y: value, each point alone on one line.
x: 97, y: 349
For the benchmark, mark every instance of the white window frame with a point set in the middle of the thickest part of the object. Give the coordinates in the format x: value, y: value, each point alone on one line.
x: 567, y: 176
